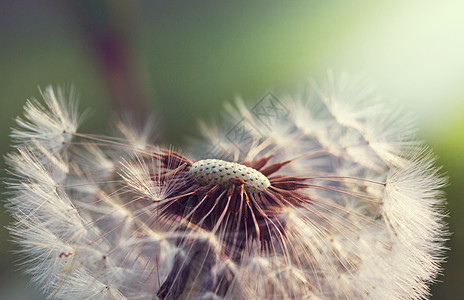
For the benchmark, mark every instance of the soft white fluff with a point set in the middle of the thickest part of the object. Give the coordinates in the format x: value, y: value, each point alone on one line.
x: 89, y: 227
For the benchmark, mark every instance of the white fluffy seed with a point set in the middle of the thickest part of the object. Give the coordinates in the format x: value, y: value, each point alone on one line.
x: 216, y: 171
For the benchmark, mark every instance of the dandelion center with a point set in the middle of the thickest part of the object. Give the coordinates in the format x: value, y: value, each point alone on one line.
x: 216, y: 171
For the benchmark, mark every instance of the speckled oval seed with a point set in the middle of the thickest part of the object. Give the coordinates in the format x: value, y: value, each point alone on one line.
x: 216, y: 171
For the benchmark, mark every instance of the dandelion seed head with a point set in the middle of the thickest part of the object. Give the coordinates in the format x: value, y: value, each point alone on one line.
x: 328, y: 196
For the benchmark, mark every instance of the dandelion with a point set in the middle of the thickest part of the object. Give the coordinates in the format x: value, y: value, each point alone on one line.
x: 332, y: 199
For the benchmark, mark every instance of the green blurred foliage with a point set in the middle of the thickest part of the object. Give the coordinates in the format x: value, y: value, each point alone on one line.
x: 191, y: 57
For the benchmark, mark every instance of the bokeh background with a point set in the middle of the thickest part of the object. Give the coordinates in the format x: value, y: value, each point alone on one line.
x: 184, y: 59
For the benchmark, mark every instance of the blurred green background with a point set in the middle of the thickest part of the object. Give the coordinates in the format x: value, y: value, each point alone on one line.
x: 184, y: 59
